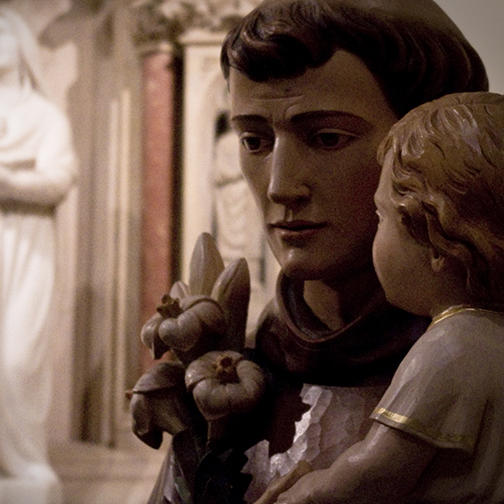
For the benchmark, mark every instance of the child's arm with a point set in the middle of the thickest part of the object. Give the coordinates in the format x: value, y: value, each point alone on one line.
x: 384, y: 467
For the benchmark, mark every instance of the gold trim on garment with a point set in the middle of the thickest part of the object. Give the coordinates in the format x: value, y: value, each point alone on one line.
x: 416, y: 427
x: 453, y: 310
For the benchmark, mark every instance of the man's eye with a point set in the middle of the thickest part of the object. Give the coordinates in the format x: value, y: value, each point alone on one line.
x: 330, y: 139
x: 254, y: 143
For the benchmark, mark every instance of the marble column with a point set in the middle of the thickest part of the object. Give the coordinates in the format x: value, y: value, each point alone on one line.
x: 158, y: 191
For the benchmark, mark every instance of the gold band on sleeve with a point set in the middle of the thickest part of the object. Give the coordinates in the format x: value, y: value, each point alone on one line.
x: 417, y: 428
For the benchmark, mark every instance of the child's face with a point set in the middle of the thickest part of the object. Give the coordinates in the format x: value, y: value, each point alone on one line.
x: 402, y: 264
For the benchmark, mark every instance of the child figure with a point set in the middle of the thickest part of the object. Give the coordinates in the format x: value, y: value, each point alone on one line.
x: 438, y: 432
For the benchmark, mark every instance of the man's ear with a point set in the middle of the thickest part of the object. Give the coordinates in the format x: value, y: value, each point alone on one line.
x: 438, y: 261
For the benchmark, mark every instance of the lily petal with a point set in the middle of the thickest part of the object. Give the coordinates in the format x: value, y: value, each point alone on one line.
x: 206, y: 265
x: 232, y: 292
x: 217, y: 398
x: 181, y: 333
x: 196, y: 330
x: 179, y: 290
x: 150, y: 337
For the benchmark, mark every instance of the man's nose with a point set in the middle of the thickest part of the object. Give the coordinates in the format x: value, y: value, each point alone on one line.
x: 288, y: 184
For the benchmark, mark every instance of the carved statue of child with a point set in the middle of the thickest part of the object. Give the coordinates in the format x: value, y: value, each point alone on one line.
x: 438, y: 252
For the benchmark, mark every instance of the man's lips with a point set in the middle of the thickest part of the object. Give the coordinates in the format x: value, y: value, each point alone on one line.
x: 296, y: 233
x: 297, y: 225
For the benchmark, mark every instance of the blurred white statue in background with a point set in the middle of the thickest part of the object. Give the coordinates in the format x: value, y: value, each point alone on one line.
x: 37, y: 169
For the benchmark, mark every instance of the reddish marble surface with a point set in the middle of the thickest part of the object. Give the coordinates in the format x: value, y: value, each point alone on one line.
x: 158, y: 191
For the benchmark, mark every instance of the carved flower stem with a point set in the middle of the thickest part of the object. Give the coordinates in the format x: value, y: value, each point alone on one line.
x: 217, y: 430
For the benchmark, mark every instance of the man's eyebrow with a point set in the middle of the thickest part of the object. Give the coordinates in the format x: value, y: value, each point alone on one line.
x: 247, y: 118
x: 348, y: 118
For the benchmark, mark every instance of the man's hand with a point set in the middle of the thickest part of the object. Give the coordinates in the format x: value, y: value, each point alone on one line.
x: 383, y: 468
x: 284, y: 483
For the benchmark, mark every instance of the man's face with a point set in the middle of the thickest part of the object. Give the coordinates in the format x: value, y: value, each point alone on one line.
x: 308, y: 151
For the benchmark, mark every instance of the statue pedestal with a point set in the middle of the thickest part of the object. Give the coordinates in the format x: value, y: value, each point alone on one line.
x: 20, y: 490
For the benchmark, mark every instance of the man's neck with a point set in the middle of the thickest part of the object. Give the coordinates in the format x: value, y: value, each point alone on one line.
x: 338, y: 303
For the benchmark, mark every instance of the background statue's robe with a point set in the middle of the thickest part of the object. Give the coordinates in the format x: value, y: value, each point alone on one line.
x: 37, y: 168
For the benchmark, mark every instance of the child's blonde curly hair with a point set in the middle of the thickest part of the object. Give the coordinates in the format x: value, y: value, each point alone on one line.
x: 448, y: 183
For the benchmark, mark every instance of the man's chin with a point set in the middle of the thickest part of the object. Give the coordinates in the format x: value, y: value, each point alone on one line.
x: 329, y: 273
x: 302, y: 272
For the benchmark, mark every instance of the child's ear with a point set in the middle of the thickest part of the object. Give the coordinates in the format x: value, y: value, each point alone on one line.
x: 438, y: 261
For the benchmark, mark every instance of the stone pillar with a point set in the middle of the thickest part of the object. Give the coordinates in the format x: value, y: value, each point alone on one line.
x: 160, y: 26
x: 158, y: 191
